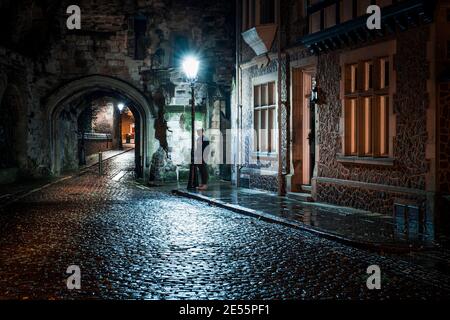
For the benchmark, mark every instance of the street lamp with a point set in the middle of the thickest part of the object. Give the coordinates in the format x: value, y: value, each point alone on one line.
x: 120, y: 106
x: 190, y: 68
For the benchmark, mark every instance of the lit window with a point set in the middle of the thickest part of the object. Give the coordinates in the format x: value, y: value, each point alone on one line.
x: 350, y: 126
x: 368, y: 75
x: 351, y: 78
x: 367, y: 126
x: 366, y: 109
x: 264, y: 118
x: 382, y: 125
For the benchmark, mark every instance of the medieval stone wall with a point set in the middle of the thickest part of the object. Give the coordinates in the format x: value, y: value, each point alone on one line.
x: 16, y: 75
x: 106, y: 45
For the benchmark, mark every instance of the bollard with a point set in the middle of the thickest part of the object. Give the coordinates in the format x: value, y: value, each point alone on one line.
x: 100, y: 163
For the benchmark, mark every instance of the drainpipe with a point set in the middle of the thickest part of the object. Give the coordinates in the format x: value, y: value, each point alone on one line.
x: 280, y: 176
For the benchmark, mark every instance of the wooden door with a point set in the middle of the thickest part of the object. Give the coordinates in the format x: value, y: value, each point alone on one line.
x: 301, y: 128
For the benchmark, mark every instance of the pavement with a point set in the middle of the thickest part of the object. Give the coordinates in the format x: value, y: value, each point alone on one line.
x: 20, y: 189
x: 350, y: 226
x: 135, y: 242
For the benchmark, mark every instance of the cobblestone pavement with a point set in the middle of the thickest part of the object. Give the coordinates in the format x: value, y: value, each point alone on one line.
x: 135, y: 243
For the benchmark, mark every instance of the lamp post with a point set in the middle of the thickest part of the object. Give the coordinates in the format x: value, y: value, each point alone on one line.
x: 190, y: 68
x: 120, y: 106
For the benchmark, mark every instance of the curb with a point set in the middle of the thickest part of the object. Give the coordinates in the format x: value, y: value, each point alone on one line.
x: 15, y: 198
x: 267, y: 217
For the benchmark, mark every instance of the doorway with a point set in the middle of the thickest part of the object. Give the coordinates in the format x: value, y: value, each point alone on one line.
x: 303, y: 129
x: 106, y: 125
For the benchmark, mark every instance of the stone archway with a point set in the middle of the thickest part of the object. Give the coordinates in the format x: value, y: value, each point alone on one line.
x: 68, y: 94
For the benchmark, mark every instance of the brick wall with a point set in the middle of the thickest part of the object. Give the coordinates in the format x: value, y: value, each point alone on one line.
x: 96, y: 146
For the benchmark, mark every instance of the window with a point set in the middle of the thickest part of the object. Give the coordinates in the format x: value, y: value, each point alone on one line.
x: 366, y: 108
x: 248, y: 14
x: 350, y: 126
x: 180, y: 46
x: 362, y: 7
x: 368, y: 75
x: 330, y: 16
x: 315, y: 22
x: 267, y: 11
x: 140, y: 28
x: 264, y: 117
x: 346, y: 10
x: 384, y: 76
x: 351, y: 78
x: 257, y: 12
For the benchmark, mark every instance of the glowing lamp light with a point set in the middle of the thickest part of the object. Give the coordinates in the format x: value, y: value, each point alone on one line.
x: 121, y: 106
x: 190, y: 67
x: 314, y: 92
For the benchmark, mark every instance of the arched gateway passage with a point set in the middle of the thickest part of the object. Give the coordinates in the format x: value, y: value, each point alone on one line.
x: 66, y: 104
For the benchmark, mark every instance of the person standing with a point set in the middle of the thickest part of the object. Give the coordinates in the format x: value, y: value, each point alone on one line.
x: 201, y: 158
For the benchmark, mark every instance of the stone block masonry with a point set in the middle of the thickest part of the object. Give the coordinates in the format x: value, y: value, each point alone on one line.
x: 135, y: 41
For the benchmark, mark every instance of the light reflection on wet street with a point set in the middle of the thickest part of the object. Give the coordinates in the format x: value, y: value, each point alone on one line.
x: 137, y: 243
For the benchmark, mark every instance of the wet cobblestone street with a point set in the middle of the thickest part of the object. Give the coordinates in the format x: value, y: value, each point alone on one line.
x: 133, y: 242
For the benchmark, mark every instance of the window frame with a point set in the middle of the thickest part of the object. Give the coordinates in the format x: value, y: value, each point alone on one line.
x: 367, y: 139
x: 252, y: 14
x: 271, y: 143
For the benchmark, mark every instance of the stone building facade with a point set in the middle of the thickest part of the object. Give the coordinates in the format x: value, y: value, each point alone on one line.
x: 126, y: 50
x: 361, y: 115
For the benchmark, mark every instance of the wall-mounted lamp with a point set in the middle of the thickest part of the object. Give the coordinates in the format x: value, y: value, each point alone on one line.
x: 314, y: 92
